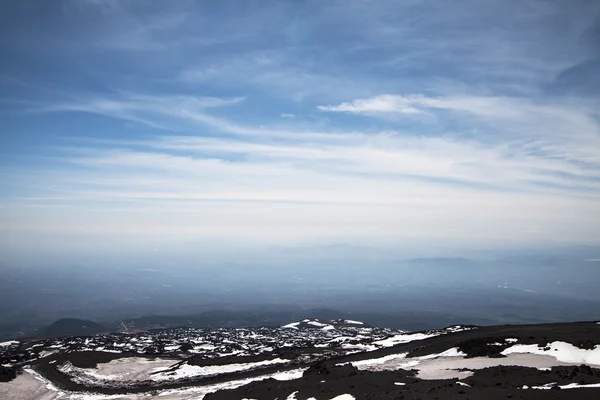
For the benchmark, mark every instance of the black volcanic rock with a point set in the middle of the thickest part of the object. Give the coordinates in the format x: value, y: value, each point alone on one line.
x: 318, y: 370
x: 7, y: 374
x: 333, y: 372
x: 72, y: 327
x: 483, y: 346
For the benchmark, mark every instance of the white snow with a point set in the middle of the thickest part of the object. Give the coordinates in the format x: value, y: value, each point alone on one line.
x: 125, y: 369
x: 456, y: 328
x: 373, y: 363
x: 354, y: 348
x: 562, y: 351
x: 31, y: 386
x: 399, y: 361
x: 26, y: 386
x: 288, y: 375
x: 103, y: 350
x: 399, y: 383
x: 205, y: 346
x: 350, y: 321
x: 186, y: 370
x: 344, y: 397
x: 138, y: 369
x: 9, y: 343
x: 49, y: 385
x: 404, y: 338
x: 294, y: 325
x: 292, y: 396
x: 327, y: 327
x: 453, y: 364
x: 459, y: 383
x: 198, y: 392
x: 569, y: 386
x: 452, y: 352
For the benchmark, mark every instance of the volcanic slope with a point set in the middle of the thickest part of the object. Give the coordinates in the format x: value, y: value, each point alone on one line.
x: 314, y: 359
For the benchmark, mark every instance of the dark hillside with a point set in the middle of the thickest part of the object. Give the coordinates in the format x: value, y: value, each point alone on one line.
x: 71, y: 327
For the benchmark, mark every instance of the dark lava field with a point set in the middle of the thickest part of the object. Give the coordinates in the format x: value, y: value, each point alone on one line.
x: 309, y: 359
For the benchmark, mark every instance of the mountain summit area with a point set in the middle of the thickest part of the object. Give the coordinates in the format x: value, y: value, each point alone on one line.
x: 309, y: 359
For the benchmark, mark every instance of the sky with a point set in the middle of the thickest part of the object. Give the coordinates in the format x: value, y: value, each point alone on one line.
x: 299, y: 121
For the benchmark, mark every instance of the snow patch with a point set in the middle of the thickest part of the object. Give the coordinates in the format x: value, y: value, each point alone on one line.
x: 394, y: 362
x: 350, y: 321
x: 452, y: 352
x: 452, y: 363
x: 457, y: 328
x: 373, y: 363
x: 562, y: 351
x: 40, y: 378
x: 569, y: 386
x: 187, y: 371
x: 404, y: 338
x: 198, y: 392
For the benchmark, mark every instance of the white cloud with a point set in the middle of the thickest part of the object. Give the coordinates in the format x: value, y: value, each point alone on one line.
x: 550, y: 155
x: 560, y: 129
x: 279, y: 182
x: 463, y: 154
x: 383, y: 104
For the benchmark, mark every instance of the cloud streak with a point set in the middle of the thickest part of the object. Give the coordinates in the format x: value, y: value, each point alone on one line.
x: 421, y: 119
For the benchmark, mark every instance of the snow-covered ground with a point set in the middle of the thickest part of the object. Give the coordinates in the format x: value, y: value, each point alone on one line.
x: 453, y: 364
x: 158, y: 357
x: 321, y: 324
x: 31, y: 386
x: 561, y: 351
x: 133, y: 370
x: 410, y: 337
x: 403, y: 338
x: 569, y: 386
x: 208, y: 343
x: 26, y: 387
x: 142, y: 363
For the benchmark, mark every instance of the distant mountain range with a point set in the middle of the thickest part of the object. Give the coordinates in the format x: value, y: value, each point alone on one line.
x: 71, y: 327
x: 241, y: 319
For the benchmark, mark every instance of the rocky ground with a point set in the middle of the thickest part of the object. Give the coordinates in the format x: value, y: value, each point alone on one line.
x: 310, y: 359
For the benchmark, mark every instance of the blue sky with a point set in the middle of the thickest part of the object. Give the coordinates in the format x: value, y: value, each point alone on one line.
x: 468, y: 121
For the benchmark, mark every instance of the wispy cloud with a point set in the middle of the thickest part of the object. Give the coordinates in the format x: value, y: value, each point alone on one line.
x: 336, y: 118
x: 557, y: 129
x: 383, y: 104
x: 536, y: 144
